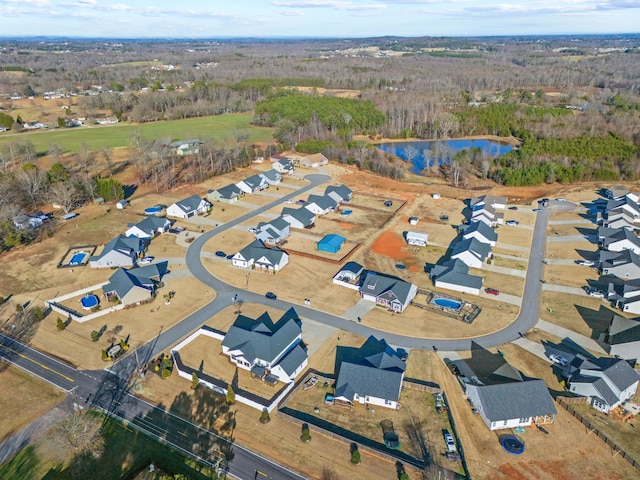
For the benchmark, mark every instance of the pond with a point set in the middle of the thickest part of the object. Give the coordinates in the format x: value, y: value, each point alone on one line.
x: 439, y: 152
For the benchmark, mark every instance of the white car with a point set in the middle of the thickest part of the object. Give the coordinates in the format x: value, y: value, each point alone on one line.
x: 512, y: 223
x: 559, y: 359
x: 451, y: 444
x: 585, y: 263
x: 252, y: 230
x: 288, y: 201
x: 596, y: 294
x: 146, y: 260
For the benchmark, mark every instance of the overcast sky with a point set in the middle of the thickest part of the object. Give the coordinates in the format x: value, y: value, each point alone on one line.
x: 315, y: 18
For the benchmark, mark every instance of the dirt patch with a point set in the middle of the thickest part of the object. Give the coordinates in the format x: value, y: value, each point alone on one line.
x: 390, y: 245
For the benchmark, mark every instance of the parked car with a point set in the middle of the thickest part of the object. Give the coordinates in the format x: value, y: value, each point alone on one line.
x: 288, y: 201
x: 513, y: 208
x: 271, y: 295
x: 146, y: 260
x: 252, y: 230
x: 585, y: 263
x: 450, y: 442
x: 537, y: 210
x: 561, y: 199
x: 492, y: 291
x: 220, y: 254
x: 596, y: 293
x: 559, y: 359
x: 512, y: 223
x: 230, y: 256
x: 301, y: 201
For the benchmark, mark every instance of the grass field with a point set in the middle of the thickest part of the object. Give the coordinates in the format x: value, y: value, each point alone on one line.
x: 219, y: 128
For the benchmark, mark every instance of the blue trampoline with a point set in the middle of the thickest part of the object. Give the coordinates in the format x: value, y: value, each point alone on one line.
x: 512, y: 444
x: 89, y: 301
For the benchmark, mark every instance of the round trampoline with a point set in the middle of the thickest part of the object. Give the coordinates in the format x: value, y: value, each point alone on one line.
x: 512, y: 444
x: 89, y: 301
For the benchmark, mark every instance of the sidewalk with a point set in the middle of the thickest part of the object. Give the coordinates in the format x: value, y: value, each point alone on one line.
x: 582, y: 340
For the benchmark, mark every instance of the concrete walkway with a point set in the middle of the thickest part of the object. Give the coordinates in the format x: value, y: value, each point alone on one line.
x: 547, y: 287
x: 582, y: 340
x: 503, y: 297
x: 572, y: 238
x: 514, y: 272
x: 581, y: 221
x: 533, y: 347
x: 515, y: 248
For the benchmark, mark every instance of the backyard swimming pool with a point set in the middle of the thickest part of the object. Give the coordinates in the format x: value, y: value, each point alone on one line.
x: 152, y: 210
x: 346, y: 212
x: 447, y: 303
x: 89, y: 301
x: 77, y: 258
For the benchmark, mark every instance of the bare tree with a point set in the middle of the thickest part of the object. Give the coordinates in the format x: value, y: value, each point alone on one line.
x: 80, y: 431
x: 447, y: 123
x: 107, y: 154
x: 32, y: 183
x: 65, y: 195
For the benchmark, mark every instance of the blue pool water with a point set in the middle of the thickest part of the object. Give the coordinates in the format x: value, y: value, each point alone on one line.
x: 431, y: 153
x: 89, y: 301
x: 346, y: 212
x: 447, y: 303
x: 152, y: 210
x: 77, y: 258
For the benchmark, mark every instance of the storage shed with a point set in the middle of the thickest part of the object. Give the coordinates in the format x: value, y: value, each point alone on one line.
x: 331, y: 243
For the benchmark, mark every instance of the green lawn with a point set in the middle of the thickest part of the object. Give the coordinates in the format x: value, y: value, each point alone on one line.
x: 219, y: 128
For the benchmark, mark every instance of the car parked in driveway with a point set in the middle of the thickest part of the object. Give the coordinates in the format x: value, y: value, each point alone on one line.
x: 595, y: 293
x: 271, y: 295
x: 585, y: 263
x: 537, y: 210
x: 513, y: 208
x: 512, y: 223
x: 146, y: 260
x: 558, y: 359
x: 252, y: 230
x: 492, y: 291
x: 220, y: 254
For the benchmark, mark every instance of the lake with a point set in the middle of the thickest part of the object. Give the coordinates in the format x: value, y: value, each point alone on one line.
x: 441, y: 151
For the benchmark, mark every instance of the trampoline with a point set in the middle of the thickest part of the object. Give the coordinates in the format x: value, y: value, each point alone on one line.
x: 77, y: 258
x: 512, y: 444
x: 152, y: 210
x: 89, y: 301
x: 346, y: 212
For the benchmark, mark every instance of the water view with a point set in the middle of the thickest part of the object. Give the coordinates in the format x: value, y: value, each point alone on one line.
x: 424, y: 154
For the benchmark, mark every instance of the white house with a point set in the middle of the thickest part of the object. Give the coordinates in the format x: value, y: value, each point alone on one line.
x: 315, y: 160
x: 387, y: 291
x: 454, y: 275
x: 624, y: 264
x: 253, y: 183
x: 282, y: 165
x: 256, y: 256
x: 320, y: 205
x: 371, y: 374
x: 606, y: 381
x: 340, y: 193
x: 299, y: 217
x: 488, y: 215
x: 349, y: 275
x: 498, y: 203
x: 273, y: 232
x: 472, y: 252
x: 188, y: 207
x: 272, y: 177
x: 481, y: 232
x: 417, y: 238
x: 120, y: 252
x: 149, y: 227
x: 618, y: 239
x: 270, y: 351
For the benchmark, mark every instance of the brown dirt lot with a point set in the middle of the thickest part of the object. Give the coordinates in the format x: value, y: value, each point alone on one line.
x: 569, y: 275
x: 36, y: 398
x: 585, y: 315
x: 570, y: 250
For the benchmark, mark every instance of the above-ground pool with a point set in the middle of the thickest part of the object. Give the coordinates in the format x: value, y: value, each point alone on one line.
x: 77, y: 258
x: 447, y: 303
x: 346, y: 212
x: 152, y: 210
x: 89, y: 301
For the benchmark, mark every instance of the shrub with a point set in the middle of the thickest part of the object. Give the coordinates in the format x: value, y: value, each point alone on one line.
x: 166, y: 372
x: 403, y: 476
x: 264, y: 417
x: 355, y: 457
x: 95, y: 335
x: 60, y: 324
x: 305, y: 436
x: 195, y: 382
x: 38, y: 313
x: 231, y: 395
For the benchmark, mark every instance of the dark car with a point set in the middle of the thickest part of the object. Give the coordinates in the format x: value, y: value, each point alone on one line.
x: 492, y: 291
x: 270, y: 295
x: 230, y: 256
x: 220, y: 254
x: 513, y: 208
x: 301, y: 201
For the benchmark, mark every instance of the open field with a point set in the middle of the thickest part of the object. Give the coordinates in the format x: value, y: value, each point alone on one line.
x: 220, y: 128
x: 546, y: 456
x: 570, y: 250
x: 585, y: 315
x: 576, y: 229
x: 569, y: 275
x: 17, y: 384
x: 505, y: 283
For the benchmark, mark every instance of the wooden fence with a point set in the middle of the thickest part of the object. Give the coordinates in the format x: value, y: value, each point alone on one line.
x: 566, y: 403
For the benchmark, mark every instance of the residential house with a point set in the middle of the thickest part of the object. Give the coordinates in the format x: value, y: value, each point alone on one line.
x: 25, y: 221
x: 273, y: 232
x: 616, y: 193
x: 321, y: 204
x: 488, y: 215
x: 619, y: 239
x: 349, y: 275
x: 505, y: 398
x: 627, y: 204
x: 270, y: 351
x: 299, y: 217
x: 185, y: 147
x: 607, y: 382
x: 472, y: 252
x: 387, y: 291
x: 256, y: 256
x: 625, y: 295
x: 272, y: 177
x: 340, y: 193
x: 481, y: 232
x: 120, y: 252
x: 620, y: 218
x: 417, y: 238
x: 227, y: 194
x: 135, y: 285
x: 315, y: 160
x: 371, y: 375
x: 149, y: 227
x: 188, y: 207
x: 454, y: 275
x: 478, y: 203
x: 253, y: 183
x: 107, y: 121
x: 624, y: 264
x: 622, y: 338
x: 282, y: 165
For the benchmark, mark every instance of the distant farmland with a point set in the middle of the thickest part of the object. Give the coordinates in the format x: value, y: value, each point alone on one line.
x: 221, y: 128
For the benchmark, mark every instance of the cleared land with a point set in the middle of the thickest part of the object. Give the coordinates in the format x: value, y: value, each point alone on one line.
x: 585, y: 315
x: 569, y: 275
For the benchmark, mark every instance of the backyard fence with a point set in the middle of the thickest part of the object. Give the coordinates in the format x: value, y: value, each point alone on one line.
x: 454, y: 430
x: 566, y: 403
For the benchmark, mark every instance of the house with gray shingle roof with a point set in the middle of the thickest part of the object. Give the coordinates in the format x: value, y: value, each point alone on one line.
x: 188, y: 207
x: 299, y: 217
x: 371, y: 374
x: 387, y: 291
x: 135, y: 285
x: 623, y: 337
x: 477, y: 203
x: 606, y: 381
x: 273, y: 177
x: 340, y: 193
x: 618, y: 239
x: 616, y: 193
x: 320, y: 204
x: 282, y: 164
x: 454, y: 275
x: 227, y: 194
x: 185, y: 147
x: 481, y: 232
x: 488, y: 215
x: 268, y: 350
x: 273, y: 232
x: 624, y: 264
x: 149, y: 227
x: 472, y: 252
x: 253, y: 183
x: 120, y: 252
x: 505, y: 398
x: 625, y: 295
x: 256, y: 256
